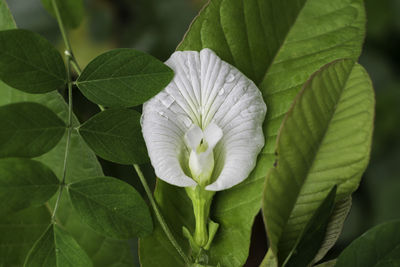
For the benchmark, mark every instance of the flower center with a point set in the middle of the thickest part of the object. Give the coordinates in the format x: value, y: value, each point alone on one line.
x: 201, y: 159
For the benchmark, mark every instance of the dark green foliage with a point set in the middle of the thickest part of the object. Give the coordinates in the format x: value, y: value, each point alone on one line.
x: 28, y: 62
x: 111, y: 207
x: 115, y: 135
x: 28, y: 130
x: 123, y: 78
x: 24, y: 183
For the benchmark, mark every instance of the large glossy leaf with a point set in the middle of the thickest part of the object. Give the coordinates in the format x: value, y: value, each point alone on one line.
x: 25, y: 183
x: 28, y: 130
x: 71, y: 11
x: 19, y: 231
x: 56, y: 248
x: 111, y: 207
x: 116, y: 135
x: 379, y: 246
x: 6, y: 20
x: 324, y: 141
x: 123, y: 78
x: 28, y: 62
x: 278, y: 44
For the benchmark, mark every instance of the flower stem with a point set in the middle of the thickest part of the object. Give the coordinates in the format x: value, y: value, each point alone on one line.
x: 67, y: 44
x: 159, y: 216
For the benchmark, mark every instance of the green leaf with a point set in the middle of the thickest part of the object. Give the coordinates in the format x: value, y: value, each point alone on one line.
x: 116, y: 135
x: 103, y: 251
x: 325, y: 140
x: 111, y: 207
x: 19, y: 231
x: 56, y: 248
x: 72, y: 11
x: 28, y: 130
x: 6, y: 20
x: 339, y: 215
x: 25, y: 183
x: 379, y: 246
x: 28, y: 62
x: 82, y: 163
x: 313, y: 234
x: 123, y: 78
x: 269, y: 260
x: 278, y: 44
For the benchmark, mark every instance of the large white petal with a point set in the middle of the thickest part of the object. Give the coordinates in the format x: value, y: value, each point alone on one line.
x: 205, y: 89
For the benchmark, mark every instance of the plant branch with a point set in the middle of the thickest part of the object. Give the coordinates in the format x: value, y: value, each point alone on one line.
x: 159, y: 216
x: 67, y: 43
x: 69, y: 131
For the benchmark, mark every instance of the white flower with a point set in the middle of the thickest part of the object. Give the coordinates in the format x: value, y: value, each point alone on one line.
x: 205, y: 126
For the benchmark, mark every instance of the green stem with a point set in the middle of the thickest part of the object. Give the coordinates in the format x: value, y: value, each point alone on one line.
x: 201, y: 200
x: 69, y: 131
x: 67, y: 44
x: 159, y: 216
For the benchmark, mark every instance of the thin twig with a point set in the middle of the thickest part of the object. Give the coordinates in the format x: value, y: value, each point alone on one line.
x: 159, y: 216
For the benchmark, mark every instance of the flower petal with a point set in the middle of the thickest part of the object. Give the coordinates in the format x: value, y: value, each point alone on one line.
x: 193, y: 136
x: 212, y: 135
x: 205, y: 91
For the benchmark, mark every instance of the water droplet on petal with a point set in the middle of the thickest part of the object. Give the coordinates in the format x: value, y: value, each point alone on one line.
x: 162, y: 114
x: 168, y: 100
x: 221, y: 92
x: 188, y: 122
x: 141, y: 120
x: 230, y: 78
x: 249, y: 111
x: 235, y: 99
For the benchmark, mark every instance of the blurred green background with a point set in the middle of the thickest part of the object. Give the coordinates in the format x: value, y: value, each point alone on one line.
x: 157, y: 26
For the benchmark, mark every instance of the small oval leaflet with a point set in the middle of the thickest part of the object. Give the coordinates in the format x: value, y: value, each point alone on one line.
x: 30, y: 63
x: 57, y: 248
x: 123, y: 78
x: 111, y: 207
x: 25, y: 183
x: 28, y: 130
x: 115, y: 135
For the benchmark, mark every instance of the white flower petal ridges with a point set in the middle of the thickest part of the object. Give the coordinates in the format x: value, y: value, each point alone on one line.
x: 209, y: 93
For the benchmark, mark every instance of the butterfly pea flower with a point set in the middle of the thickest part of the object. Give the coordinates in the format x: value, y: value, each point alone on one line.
x: 204, y: 130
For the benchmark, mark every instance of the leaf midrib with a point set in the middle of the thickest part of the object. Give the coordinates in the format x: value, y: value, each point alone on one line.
x: 34, y: 66
x: 135, y: 222
x: 320, y: 141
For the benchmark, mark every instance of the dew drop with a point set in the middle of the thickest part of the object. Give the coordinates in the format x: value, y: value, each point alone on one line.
x: 141, y: 120
x: 235, y: 99
x: 221, y: 92
x: 230, y: 78
x: 188, y: 122
x: 162, y: 114
x: 168, y: 100
x: 57, y: 250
